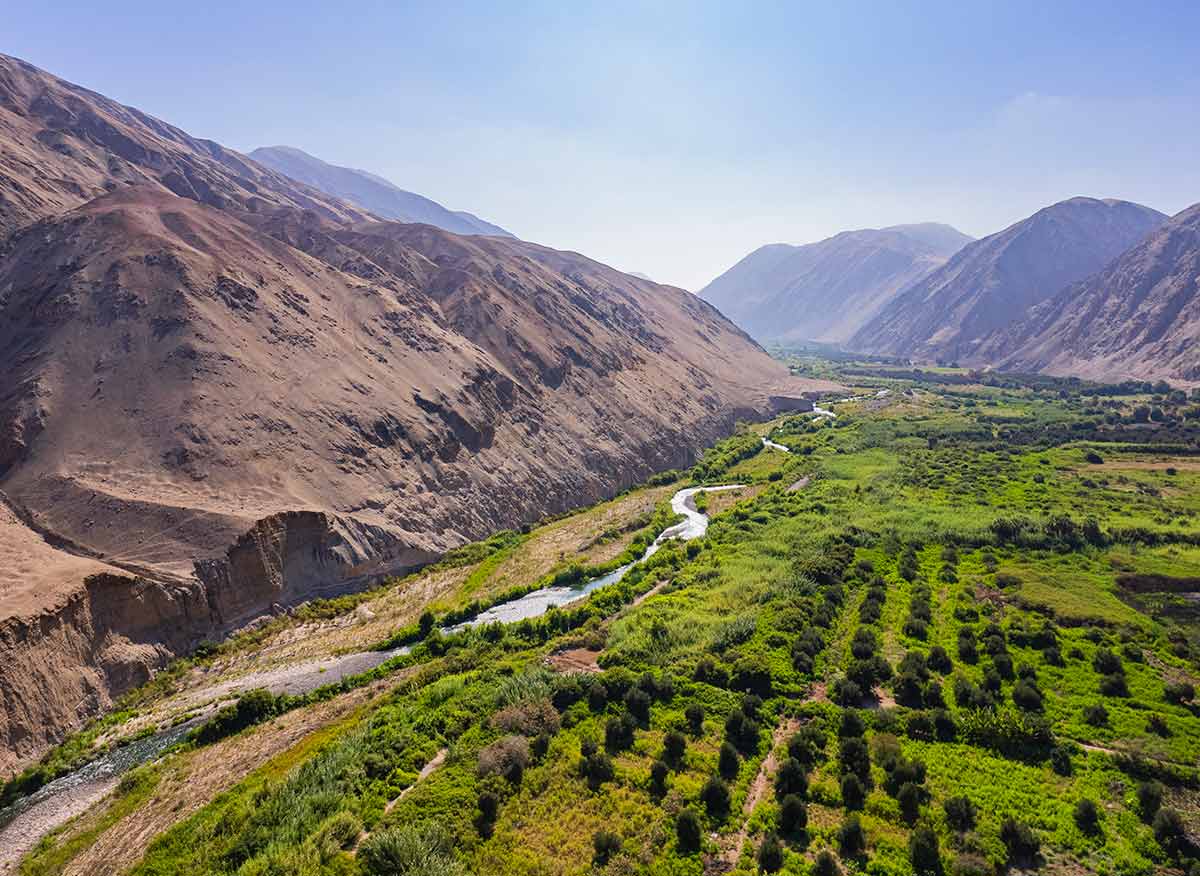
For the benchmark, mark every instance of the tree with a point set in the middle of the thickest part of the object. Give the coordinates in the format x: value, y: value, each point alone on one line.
x: 770, y: 854
x: 791, y: 779
x: 425, y: 624
x: 687, y: 831
x: 852, y: 839
x: 910, y: 797
x: 923, y: 851
x: 715, y: 796
x: 658, y: 777
x: 853, y: 792
x: 694, y: 714
x: 853, y: 757
x: 1019, y: 839
x: 728, y: 762
x: 793, y: 815
x: 605, y: 845
x: 674, y: 747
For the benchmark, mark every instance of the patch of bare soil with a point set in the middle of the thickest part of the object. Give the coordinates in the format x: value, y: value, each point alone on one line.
x: 726, y: 499
x: 882, y: 699
x: 799, y: 485
x: 574, y: 660
x: 193, y: 781
x: 730, y: 846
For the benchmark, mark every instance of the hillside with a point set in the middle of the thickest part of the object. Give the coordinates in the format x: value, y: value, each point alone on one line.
x: 991, y: 282
x: 371, y: 192
x: 1137, y: 318
x: 240, y: 393
x: 825, y: 291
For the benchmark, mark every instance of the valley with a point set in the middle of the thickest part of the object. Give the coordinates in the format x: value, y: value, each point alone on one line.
x: 931, y: 595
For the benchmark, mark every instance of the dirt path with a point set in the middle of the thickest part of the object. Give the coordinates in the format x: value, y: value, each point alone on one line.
x: 426, y: 771
x: 730, y: 846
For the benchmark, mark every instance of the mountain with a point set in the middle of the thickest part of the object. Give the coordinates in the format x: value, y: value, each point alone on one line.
x: 226, y: 393
x: 64, y: 145
x: 825, y: 291
x: 1137, y: 318
x: 371, y: 192
x: 991, y: 282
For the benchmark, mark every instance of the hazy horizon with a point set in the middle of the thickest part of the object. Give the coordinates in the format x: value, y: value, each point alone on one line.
x: 673, y: 139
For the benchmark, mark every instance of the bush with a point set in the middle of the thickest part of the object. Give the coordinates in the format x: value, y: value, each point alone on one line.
x: 597, y: 768
x: 715, y: 796
x: 422, y: 851
x: 960, y: 813
x: 939, y: 660
x: 1060, y: 758
x: 807, y: 745
x: 688, y: 831
x: 770, y: 854
x: 1096, y: 715
x: 923, y: 851
x: 910, y: 796
x: 751, y: 676
x: 851, y: 724
x: 793, y: 815
x: 1026, y: 697
x: 852, y: 839
x: 529, y: 718
x: 1150, y: 796
x: 605, y: 845
x: 658, y: 778
x: 694, y: 714
x: 507, y: 758
x: 619, y: 732
x: 826, y: 864
x: 338, y: 831
x: 253, y: 707
x: 742, y: 732
x: 1106, y: 662
x: 1169, y: 831
x: 1114, y: 685
x: 1087, y: 816
x: 1180, y: 692
x: 854, y: 759
x: 1019, y: 839
x: 728, y: 761
x: 637, y: 701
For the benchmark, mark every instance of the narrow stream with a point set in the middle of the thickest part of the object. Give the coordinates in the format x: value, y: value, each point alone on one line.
x: 26, y: 821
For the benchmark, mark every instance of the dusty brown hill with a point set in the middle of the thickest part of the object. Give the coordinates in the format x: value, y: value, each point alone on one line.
x: 221, y: 402
x: 993, y: 281
x: 826, y: 291
x: 1137, y: 318
x: 62, y: 145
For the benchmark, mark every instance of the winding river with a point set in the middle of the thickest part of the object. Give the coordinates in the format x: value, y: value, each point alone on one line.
x: 26, y: 821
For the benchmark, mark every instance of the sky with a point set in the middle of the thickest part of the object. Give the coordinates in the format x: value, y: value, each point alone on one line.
x: 673, y: 138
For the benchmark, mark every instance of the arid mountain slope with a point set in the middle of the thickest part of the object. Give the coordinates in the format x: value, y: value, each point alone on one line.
x: 62, y: 145
x: 371, y: 192
x: 825, y: 291
x: 1137, y: 318
x: 992, y: 281
x: 252, y: 394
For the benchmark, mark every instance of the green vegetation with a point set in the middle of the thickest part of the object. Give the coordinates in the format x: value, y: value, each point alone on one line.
x: 962, y: 646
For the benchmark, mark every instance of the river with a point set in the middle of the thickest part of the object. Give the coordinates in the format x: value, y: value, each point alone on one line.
x: 27, y: 820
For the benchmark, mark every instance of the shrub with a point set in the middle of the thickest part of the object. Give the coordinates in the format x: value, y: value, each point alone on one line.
x: 1019, y: 839
x: 793, y: 815
x: 770, y: 854
x: 1114, y: 685
x: 1096, y: 715
x: 597, y: 769
x: 751, y: 676
x: 808, y: 744
x: 715, y: 796
x: 742, y: 732
x: 489, y: 806
x: 1157, y: 724
x: 637, y: 701
x: 852, y: 839
x: 338, y: 831
x: 253, y: 707
x: 923, y: 851
x: 1169, y: 831
x: 1060, y: 759
x: 939, y: 660
x: 1150, y: 796
x: 1180, y: 692
x: 1106, y: 662
x: 528, y: 718
x: 605, y: 845
x: 826, y: 864
x: 619, y: 732
x: 853, y: 758
x: 847, y: 693
x: 597, y: 697
x: 694, y: 714
x: 507, y: 758
x: 423, y: 850
x: 1087, y: 816
x: 1027, y: 697
x: 688, y: 831
x: 960, y: 813
x: 851, y: 724
x: 910, y: 796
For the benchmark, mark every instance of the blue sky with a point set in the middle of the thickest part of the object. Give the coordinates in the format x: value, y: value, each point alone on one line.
x: 673, y: 138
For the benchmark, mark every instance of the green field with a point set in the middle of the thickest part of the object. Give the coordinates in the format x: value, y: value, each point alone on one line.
x: 929, y: 658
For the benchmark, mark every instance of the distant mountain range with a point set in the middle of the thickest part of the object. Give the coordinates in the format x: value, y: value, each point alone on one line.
x: 992, y: 281
x: 826, y: 291
x: 1139, y: 317
x: 371, y: 192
